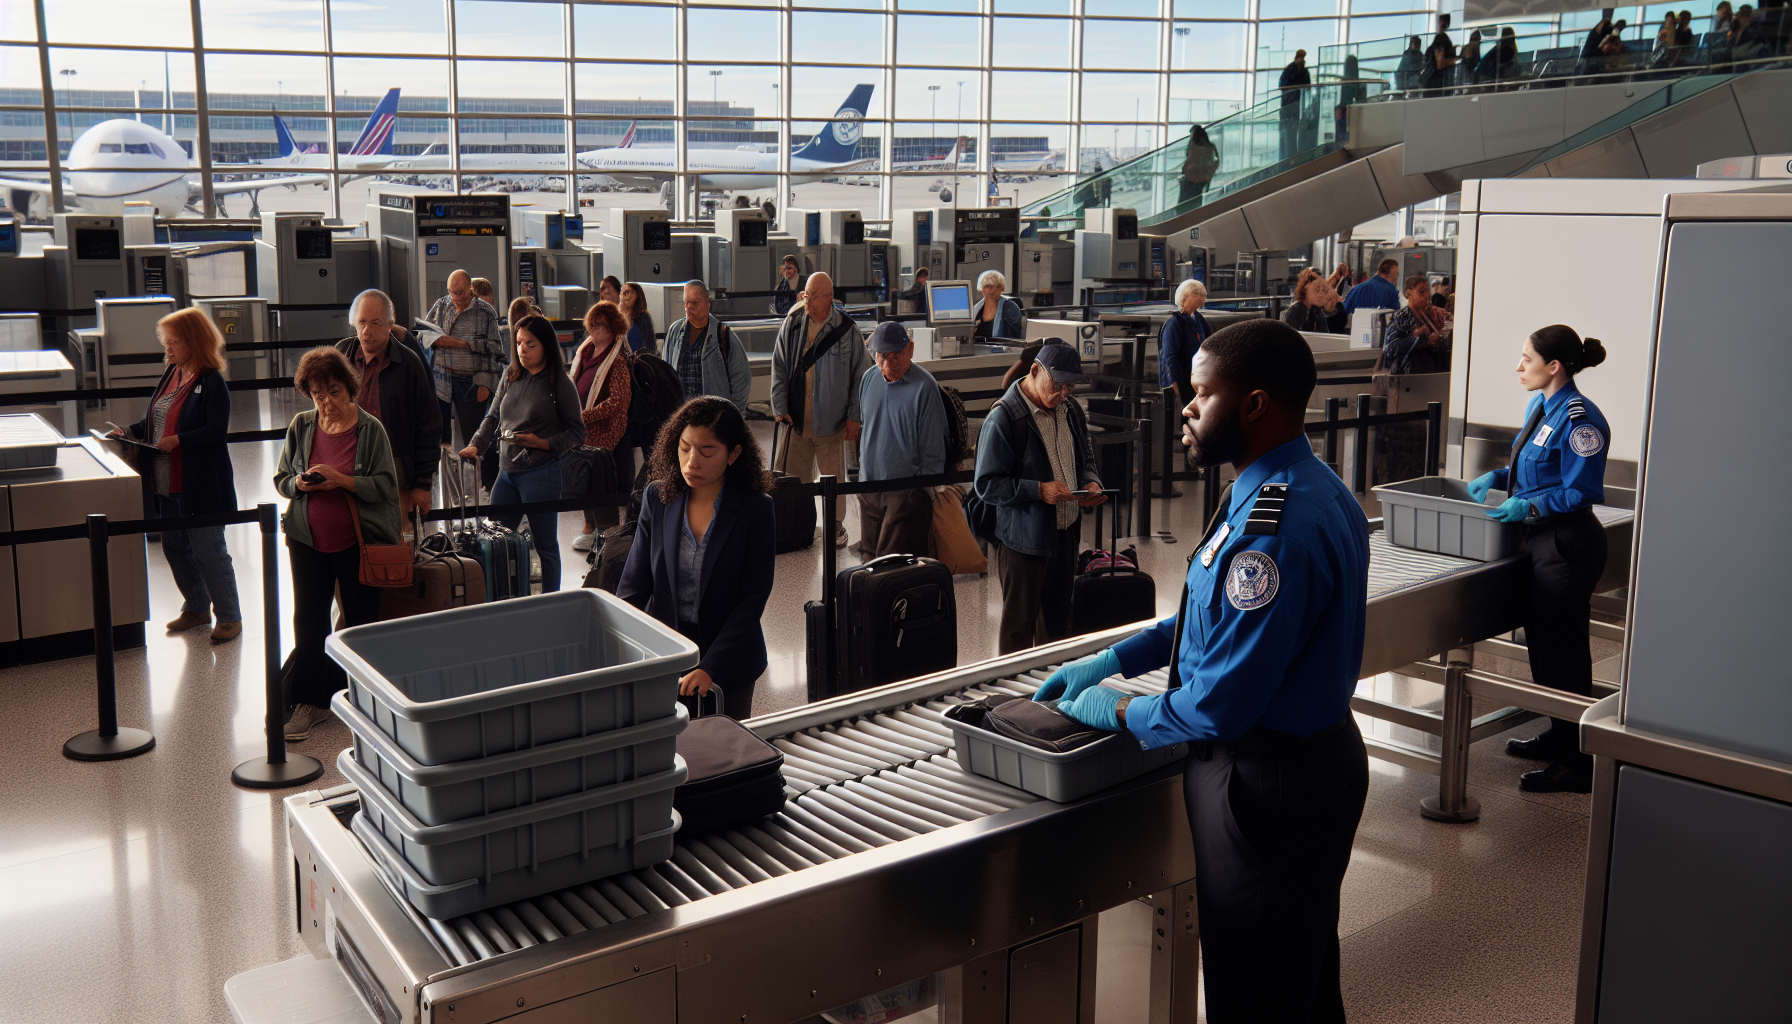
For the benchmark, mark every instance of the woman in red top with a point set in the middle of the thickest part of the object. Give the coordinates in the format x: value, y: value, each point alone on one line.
x: 187, y: 418
x: 601, y: 374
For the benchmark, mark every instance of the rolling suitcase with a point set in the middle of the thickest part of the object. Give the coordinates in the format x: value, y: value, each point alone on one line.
x: 792, y: 506
x: 503, y: 554
x: 441, y: 578
x: 1109, y: 590
x: 897, y: 619
x: 609, y: 556
x: 734, y: 776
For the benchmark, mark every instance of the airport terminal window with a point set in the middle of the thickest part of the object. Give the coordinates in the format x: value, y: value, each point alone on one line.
x: 712, y: 34
x: 388, y: 26
x: 263, y: 82
x: 540, y: 84
x: 18, y: 20
x: 819, y: 92
x: 608, y: 88
x: 119, y: 22
x: 1109, y: 96
x: 1119, y: 44
x: 251, y: 24
x: 1029, y: 95
x: 1123, y: 8
x: 1204, y: 98
x: 1208, y: 44
x: 837, y: 38
x: 623, y: 30
x: 1032, y: 42
x: 1277, y: 40
x: 1390, y: 26
x: 939, y: 39
x: 1033, y: 6
x: 496, y: 28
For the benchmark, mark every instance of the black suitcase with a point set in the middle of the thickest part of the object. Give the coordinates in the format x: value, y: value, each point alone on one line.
x: 1113, y: 595
x: 897, y: 619
x: 734, y: 776
x: 792, y: 506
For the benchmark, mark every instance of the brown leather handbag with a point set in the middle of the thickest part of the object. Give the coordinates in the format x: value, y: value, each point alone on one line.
x: 382, y: 565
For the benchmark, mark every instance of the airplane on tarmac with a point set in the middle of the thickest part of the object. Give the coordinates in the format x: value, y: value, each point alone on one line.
x: 950, y: 162
x: 371, y: 152
x: 122, y: 160
x: 435, y: 158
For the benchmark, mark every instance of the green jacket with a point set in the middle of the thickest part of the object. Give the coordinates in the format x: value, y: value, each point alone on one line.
x: 376, y: 479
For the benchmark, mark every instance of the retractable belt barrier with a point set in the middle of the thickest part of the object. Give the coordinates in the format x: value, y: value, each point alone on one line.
x: 87, y: 394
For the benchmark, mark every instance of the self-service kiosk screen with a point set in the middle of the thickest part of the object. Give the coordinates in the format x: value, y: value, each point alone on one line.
x: 9, y: 239
x: 656, y: 235
x: 752, y: 233
x: 218, y: 274
x: 947, y: 302
x: 575, y: 226
x: 853, y: 232
x: 812, y: 230
x: 1125, y: 228
x: 97, y: 244
x: 923, y: 230
x: 311, y: 243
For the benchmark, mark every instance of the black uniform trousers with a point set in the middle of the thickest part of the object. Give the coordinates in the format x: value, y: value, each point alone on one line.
x: 1567, y: 558
x: 1273, y: 820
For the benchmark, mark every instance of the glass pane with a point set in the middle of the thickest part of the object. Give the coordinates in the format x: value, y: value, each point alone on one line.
x: 969, y: 6
x: 936, y: 95
x: 1032, y: 42
x: 842, y: 143
x: 1119, y: 44
x: 1389, y: 27
x: 625, y: 89
x: 851, y: 192
x: 19, y: 76
x: 866, y: 5
x: 623, y: 31
x: 118, y: 141
x: 363, y: 83
x: 541, y: 191
x: 730, y: 99
x: 1033, y: 6
x: 512, y: 143
x: 608, y: 144
x: 930, y: 39
x: 731, y: 35
x: 843, y: 38
x: 142, y: 23
x: 1296, y: 8
x: 1029, y: 95
x: 1123, y: 8
x: 502, y: 29
x: 1119, y: 97
x: 18, y: 20
x: 389, y: 26
x: 1382, y: 6
x: 262, y: 83
x: 1208, y: 44
x: 116, y: 78
x: 1203, y: 99
x: 1020, y: 152
x: 258, y: 24
x: 1121, y: 142
x: 820, y: 92
x: 1277, y: 41
x: 1210, y: 8
x: 534, y: 81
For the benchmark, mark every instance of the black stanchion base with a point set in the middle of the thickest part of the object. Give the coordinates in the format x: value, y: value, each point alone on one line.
x: 296, y: 770
x: 91, y: 746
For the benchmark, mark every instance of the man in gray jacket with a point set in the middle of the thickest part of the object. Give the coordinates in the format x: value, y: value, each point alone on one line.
x: 707, y: 359
x: 816, y: 365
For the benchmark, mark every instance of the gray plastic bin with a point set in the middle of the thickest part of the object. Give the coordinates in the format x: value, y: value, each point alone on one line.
x: 450, y: 870
x: 1435, y: 513
x: 439, y: 794
x: 510, y: 675
x: 1062, y: 777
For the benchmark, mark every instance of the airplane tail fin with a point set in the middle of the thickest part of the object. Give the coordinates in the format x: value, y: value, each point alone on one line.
x: 289, y: 147
x: 839, y: 140
x: 628, y: 138
x: 376, y: 137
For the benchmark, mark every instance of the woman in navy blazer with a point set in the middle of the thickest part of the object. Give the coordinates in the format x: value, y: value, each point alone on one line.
x: 704, y: 547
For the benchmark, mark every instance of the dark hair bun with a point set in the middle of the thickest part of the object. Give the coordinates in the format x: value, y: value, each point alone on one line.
x: 1592, y: 352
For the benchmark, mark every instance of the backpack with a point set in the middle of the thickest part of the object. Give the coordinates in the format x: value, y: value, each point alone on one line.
x: 958, y: 428
x: 656, y: 395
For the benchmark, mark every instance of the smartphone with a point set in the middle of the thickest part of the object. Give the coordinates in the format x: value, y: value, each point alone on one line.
x: 312, y: 478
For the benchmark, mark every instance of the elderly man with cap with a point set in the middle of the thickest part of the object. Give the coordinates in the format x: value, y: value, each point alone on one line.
x: 1036, y: 469
x: 904, y: 435
x: 816, y: 365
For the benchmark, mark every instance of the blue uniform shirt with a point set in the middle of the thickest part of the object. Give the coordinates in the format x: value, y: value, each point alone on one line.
x: 1559, y: 466
x: 1273, y: 631
x: 1375, y: 293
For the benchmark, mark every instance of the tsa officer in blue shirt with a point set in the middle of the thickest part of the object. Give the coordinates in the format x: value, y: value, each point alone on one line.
x: 1264, y: 652
x: 1556, y: 476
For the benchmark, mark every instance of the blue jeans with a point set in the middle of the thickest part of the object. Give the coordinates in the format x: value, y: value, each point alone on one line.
x: 200, y: 563
x: 542, y: 484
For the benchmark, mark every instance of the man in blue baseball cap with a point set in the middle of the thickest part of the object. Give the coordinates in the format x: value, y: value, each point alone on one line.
x: 904, y: 435
x: 1036, y: 471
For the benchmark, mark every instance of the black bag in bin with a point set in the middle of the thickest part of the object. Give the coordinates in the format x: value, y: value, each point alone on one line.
x: 1035, y: 723
x: 734, y: 776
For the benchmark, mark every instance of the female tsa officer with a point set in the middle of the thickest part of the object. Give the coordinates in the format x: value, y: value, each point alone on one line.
x: 1556, y: 475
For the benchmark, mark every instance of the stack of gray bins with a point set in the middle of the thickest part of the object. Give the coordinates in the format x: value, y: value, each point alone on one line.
x: 511, y: 749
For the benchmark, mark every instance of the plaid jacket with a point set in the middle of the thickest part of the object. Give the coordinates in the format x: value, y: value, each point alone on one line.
x: 484, y: 357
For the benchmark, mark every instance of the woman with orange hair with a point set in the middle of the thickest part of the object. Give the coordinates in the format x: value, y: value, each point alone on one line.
x: 187, y: 418
x: 602, y: 372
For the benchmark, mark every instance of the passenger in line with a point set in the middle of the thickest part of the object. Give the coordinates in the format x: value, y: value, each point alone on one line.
x: 350, y: 499
x: 915, y: 293
x: 904, y: 436
x: 705, y: 546
x: 1036, y: 468
x: 1556, y: 474
x: 610, y: 290
x: 1182, y: 336
x: 817, y: 361
x: 709, y: 360
x: 187, y: 418
x: 1378, y: 292
x: 1316, y: 307
x: 483, y: 289
x: 603, y: 377
x: 395, y: 388
x: 1418, y: 337
x: 640, y: 326
x: 536, y: 417
x: 996, y: 315
x: 785, y: 296
x: 467, y: 359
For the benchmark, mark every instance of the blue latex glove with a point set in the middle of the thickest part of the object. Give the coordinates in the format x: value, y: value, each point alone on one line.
x: 1479, y: 486
x: 1079, y: 675
x: 1095, y: 708
x: 1515, y: 510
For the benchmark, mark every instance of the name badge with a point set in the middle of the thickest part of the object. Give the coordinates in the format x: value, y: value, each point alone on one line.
x: 1213, y: 547
x: 1542, y: 435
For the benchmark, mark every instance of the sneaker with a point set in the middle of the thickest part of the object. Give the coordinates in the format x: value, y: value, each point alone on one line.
x: 1557, y: 778
x: 224, y: 632
x: 839, y: 535
x: 304, y: 719
x: 584, y: 541
x: 187, y: 621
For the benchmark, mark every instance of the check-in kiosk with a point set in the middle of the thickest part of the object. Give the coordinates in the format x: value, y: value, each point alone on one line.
x: 296, y: 272
x: 564, y: 301
x: 128, y: 353
x: 744, y: 236
x: 923, y: 240
x: 985, y: 240
x: 425, y: 237
x: 566, y: 261
x: 528, y: 273
x: 150, y: 270
x: 638, y: 246
x: 10, y: 240
x: 838, y: 238
x: 949, y: 314
x: 243, y: 320
x: 1107, y: 248
x: 86, y: 261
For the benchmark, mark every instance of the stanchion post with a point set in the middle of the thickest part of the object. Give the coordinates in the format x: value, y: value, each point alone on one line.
x: 1434, y: 436
x: 1360, y: 472
x: 1144, y: 478
x: 1332, y: 407
x: 108, y: 742
x: 1172, y: 414
x: 280, y: 770
x: 830, y: 498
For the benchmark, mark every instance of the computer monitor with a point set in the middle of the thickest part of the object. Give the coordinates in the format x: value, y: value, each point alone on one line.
x: 948, y: 302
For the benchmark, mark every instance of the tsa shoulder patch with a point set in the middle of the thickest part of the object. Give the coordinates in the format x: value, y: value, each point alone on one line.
x: 1585, y: 441
x: 1252, y: 580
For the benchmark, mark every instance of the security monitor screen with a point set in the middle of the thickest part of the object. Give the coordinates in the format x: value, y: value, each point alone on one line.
x: 575, y: 226
x: 311, y: 243
x: 949, y: 301
x: 1125, y: 228
x: 97, y: 244
x: 656, y: 235
x: 853, y: 233
x: 812, y: 230
x: 752, y: 234
x: 923, y: 230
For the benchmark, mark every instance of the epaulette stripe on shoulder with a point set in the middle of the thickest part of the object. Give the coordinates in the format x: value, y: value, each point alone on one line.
x: 1576, y: 410
x: 1266, y: 515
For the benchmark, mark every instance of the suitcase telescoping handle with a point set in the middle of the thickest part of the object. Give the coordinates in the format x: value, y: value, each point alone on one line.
x: 695, y: 703
x: 780, y: 450
x: 1113, y: 494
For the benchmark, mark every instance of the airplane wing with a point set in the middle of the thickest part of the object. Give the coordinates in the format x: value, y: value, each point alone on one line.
x: 42, y: 187
x: 230, y: 188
